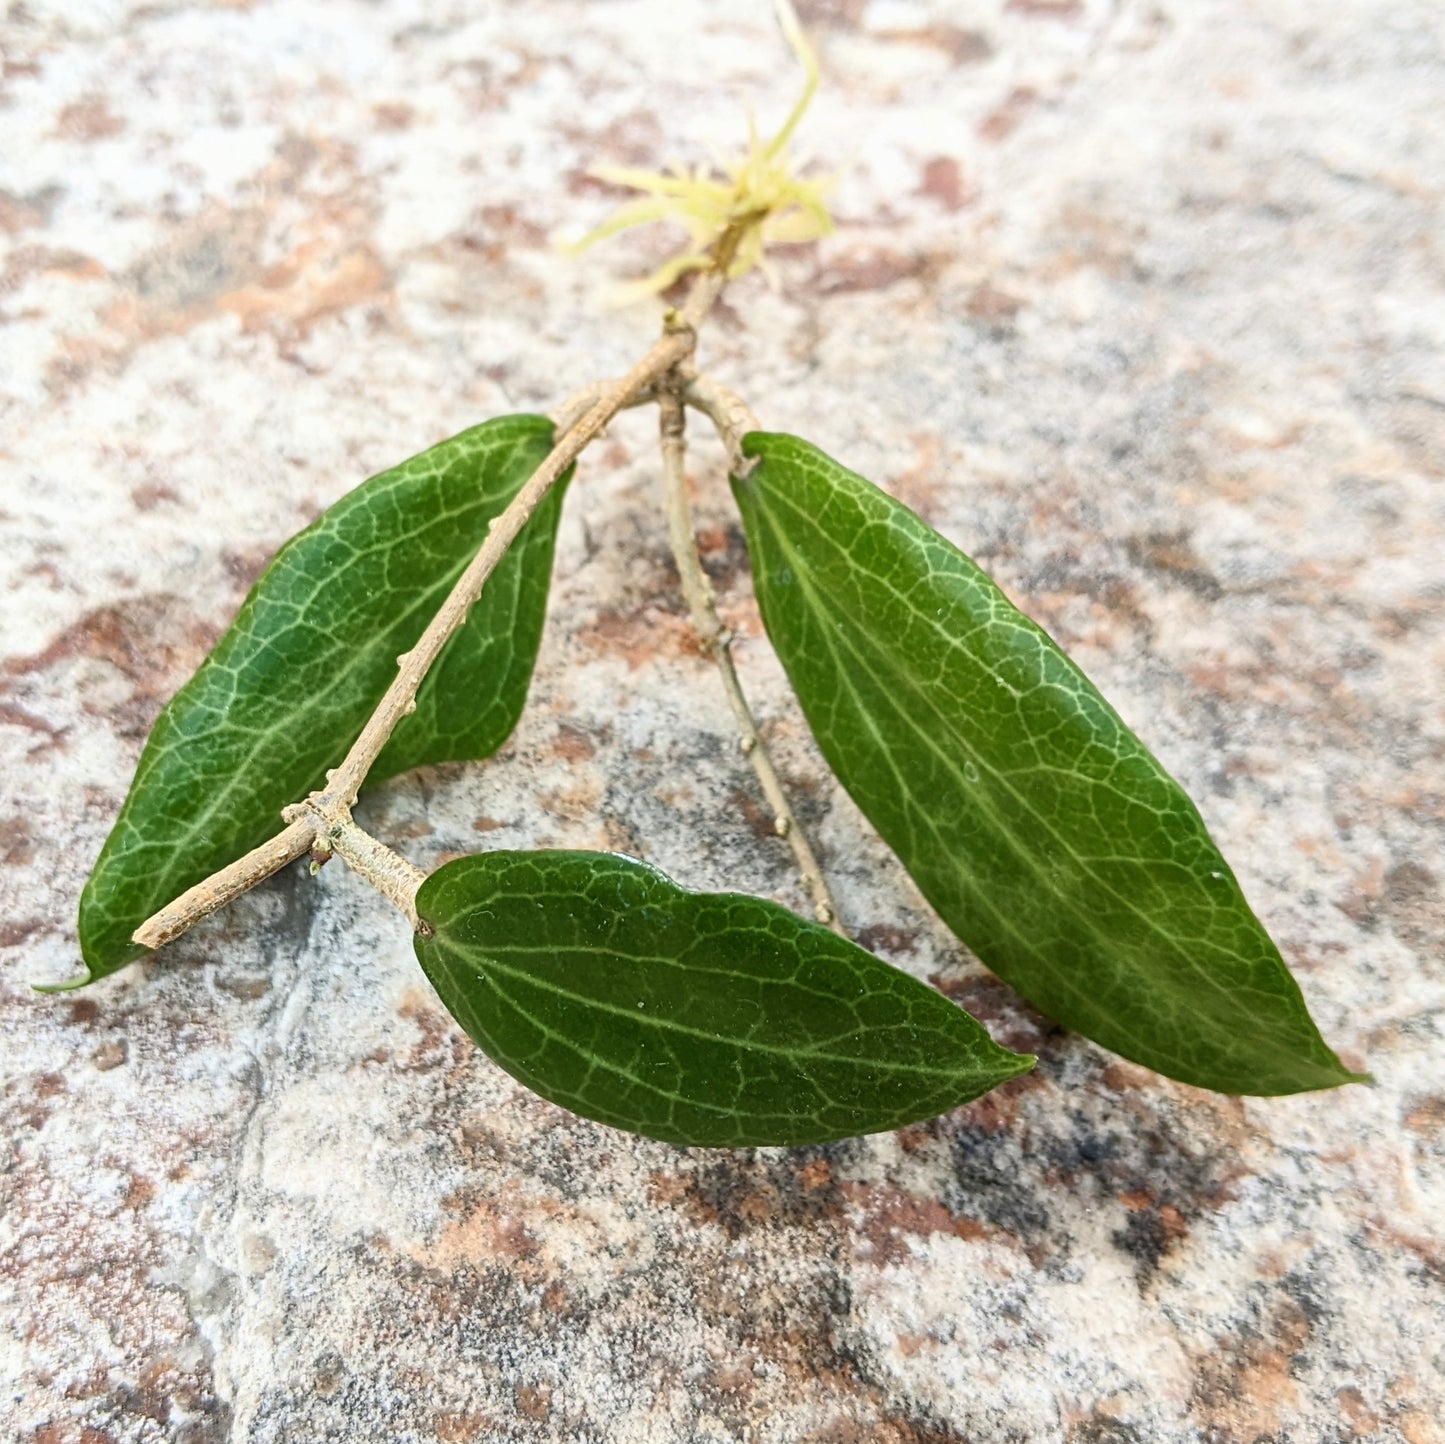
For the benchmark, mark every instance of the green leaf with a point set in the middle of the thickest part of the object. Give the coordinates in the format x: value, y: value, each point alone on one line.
x: 1040, y: 828
x: 290, y: 685
x: 709, y: 1019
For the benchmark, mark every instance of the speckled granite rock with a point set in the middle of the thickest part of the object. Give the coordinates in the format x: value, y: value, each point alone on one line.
x: 1141, y: 302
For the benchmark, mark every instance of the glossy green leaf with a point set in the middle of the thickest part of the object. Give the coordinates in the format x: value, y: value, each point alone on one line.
x: 290, y: 685
x: 699, y: 1018
x: 1042, y: 830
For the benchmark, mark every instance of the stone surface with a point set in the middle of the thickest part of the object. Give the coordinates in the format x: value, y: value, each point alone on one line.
x: 1141, y: 302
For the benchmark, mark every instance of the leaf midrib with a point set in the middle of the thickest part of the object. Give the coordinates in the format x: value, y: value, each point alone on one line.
x: 670, y: 1025
x: 712, y: 970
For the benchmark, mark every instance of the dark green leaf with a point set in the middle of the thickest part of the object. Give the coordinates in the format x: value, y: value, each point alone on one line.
x: 290, y: 685
x: 1040, y: 827
x: 699, y: 1018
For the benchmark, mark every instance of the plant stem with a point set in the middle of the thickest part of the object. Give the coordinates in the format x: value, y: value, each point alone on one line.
x: 716, y: 642
x: 225, y: 886
x: 576, y: 406
x: 331, y: 806
x: 388, y: 872
x: 728, y: 413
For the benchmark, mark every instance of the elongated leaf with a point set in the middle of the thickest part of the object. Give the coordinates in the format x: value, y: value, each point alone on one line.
x: 698, y: 1018
x: 290, y: 685
x: 1040, y: 827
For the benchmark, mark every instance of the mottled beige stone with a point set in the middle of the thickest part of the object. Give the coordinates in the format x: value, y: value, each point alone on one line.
x: 1140, y: 302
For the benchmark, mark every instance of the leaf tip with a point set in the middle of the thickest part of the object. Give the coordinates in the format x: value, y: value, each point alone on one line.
x: 1340, y: 1075
x: 1013, y: 1065
x: 68, y: 986
x: 1320, y: 1077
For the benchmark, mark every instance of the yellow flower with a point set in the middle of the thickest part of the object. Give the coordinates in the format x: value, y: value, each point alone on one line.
x: 759, y: 186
